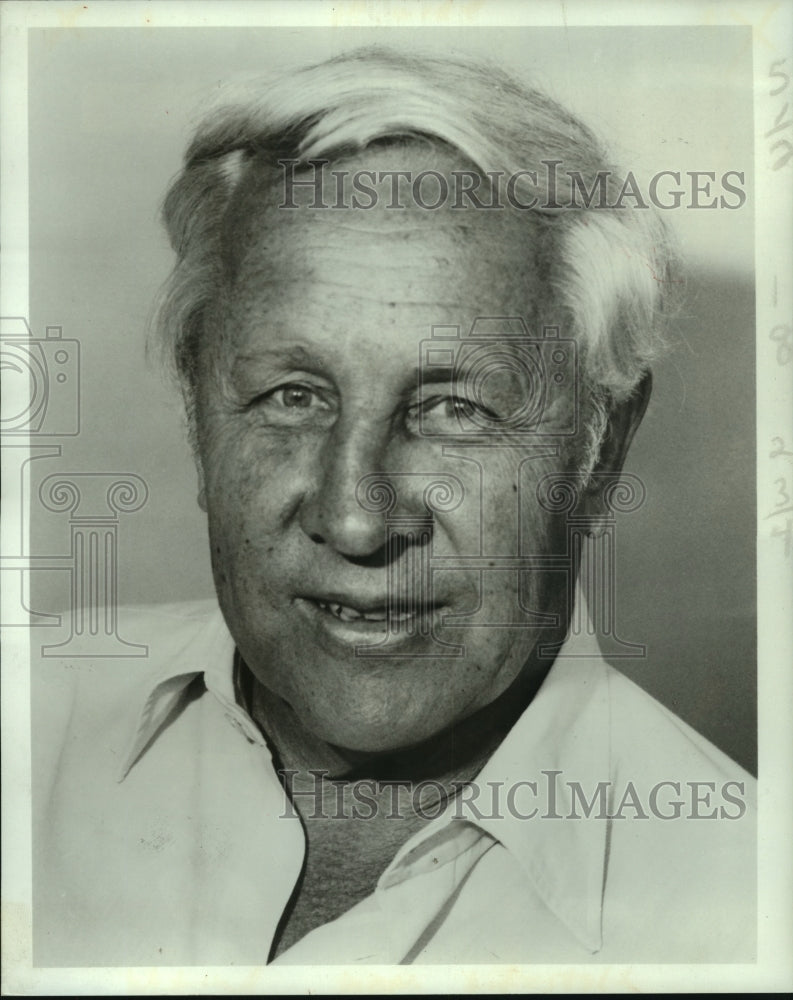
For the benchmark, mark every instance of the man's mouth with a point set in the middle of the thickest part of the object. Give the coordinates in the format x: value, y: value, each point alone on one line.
x: 350, y: 621
x: 344, y: 613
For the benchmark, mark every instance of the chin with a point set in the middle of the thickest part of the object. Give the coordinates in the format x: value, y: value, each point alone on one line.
x: 361, y: 736
x: 360, y: 740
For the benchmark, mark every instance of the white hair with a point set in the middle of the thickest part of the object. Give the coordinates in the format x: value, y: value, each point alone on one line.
x: 609, y: 269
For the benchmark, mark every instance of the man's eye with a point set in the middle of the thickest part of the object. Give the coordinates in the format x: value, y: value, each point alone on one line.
x: 292, y: 396
x: 293, y: 404
x: 461, y: 408
x: 295, y: 396
x: 458, y: 407
x: 450, y: 415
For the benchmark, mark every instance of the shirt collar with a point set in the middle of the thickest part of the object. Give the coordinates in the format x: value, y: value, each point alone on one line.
x: 197, y: 643
x: 563, y: 736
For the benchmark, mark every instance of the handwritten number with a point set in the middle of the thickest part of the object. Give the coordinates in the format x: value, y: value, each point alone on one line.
x: 783, y: 335
x: 779, y: 449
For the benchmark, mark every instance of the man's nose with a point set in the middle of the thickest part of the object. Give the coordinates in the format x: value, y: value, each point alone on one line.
x: 332, y: 514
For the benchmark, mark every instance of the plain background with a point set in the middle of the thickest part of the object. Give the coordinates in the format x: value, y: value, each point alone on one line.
x: 110, y: 111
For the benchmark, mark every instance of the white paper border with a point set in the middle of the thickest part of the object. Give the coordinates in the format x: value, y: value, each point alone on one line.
x: 772, y: 24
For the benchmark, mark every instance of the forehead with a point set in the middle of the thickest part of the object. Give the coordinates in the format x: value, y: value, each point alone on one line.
x: 482, y: 262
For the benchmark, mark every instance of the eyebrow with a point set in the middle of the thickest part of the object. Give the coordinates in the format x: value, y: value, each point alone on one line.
x: 443, y: 374
x: 291, y: 356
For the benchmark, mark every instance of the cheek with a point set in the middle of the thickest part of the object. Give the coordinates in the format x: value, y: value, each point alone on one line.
x: 249, y: 473
x: 501, y: 514
x: 230, y: 544
x: 247, y: 500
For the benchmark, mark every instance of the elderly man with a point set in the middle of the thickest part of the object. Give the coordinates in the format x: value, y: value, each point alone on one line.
x: 414, y: 347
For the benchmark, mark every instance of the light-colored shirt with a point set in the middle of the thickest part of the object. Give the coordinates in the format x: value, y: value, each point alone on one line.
x: 604, y: 828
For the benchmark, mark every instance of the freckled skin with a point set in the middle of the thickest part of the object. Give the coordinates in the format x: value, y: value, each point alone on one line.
x: 352, y: 295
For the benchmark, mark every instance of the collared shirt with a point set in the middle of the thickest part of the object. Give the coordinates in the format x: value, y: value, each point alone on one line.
x: 602, y: 829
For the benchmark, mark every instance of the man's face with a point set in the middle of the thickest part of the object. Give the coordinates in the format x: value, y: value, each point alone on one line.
x: 311, y: 385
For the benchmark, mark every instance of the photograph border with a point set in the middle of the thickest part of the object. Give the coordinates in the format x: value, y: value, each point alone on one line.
x: 772, y: 25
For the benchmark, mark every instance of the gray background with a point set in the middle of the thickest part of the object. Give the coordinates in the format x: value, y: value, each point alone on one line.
x: 110, y: 111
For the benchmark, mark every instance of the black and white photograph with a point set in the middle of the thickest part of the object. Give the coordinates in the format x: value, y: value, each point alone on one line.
x: 397, y: 526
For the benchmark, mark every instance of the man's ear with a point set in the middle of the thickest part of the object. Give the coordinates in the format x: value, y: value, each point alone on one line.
x: 623, y: 422
x: 202, y: 490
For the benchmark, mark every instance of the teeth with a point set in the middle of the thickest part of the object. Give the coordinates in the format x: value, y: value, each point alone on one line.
x: 346, y: 614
